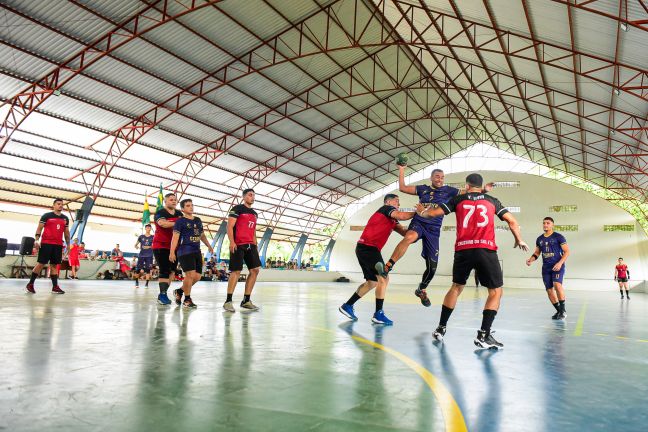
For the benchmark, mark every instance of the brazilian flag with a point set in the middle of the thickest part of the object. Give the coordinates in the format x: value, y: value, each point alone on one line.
x: 146, y: 214
x: 160, y: 200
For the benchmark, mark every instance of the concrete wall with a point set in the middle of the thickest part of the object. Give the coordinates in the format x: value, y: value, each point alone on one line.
x: 594, y: 252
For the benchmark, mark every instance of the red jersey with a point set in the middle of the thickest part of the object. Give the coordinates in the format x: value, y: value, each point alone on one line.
x: 74, y: 252
x: 245, y: 228
x: 379, y: 227
x: 54, y: 228
x: 622, y: 271
x: 162, y: 236
x: 475, y: 219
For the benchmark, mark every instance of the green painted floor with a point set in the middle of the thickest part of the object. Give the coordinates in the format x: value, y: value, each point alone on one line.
x: 106, y: 357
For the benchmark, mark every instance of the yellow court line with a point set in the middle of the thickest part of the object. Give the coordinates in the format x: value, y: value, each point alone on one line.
x: 581, y: 319
x: 452, y: 415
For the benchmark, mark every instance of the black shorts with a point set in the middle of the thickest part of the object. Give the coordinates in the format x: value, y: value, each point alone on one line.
x: 618, y: 279
x: 483, y: 261
x: 191, y: 262
x: 248, y: 253
x: 166, y: 267
x: 144, y: 263
x: 368, y: 257
x: 50, y: 253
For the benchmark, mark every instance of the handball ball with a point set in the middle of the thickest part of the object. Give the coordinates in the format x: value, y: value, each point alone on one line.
x: 401, y: 159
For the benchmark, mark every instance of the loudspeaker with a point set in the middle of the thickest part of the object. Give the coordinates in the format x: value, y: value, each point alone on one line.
x: 26, y: 245
x: 80, y: 214
x: 3, y: 247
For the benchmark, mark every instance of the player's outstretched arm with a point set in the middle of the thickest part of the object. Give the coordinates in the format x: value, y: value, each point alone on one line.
x: 408, y: 189
x: 429, y: 212
x: 515, y: 230
x: 402, y: 215
x: 400, y: 229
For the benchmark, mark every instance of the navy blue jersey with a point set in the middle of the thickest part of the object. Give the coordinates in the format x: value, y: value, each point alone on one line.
x: 146, y: 245
x: 550, y: 248
x: 431, y: 195
x: 190, y: 231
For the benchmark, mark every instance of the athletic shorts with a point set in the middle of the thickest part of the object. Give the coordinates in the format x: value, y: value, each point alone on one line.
x: 245, y: 252
x: 74, y: 262
x: 549, y: 276
x: 191, y: 262
x: 483, y: 261
x: 430, y: 237
x: 50, y: 253
x: 145, y: 263
x: 622, y: 279
x: 166, y: 267
x: 368, y: 257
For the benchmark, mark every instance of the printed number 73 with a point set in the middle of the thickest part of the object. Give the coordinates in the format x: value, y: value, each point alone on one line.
x: 471, y: 210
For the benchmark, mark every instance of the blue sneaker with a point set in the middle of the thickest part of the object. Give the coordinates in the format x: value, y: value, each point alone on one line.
x: 380, y: 318
x: 347, y: 311
x: 163, y: 299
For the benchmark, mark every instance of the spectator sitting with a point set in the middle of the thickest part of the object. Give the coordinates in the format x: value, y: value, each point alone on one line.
x: 116, y: 252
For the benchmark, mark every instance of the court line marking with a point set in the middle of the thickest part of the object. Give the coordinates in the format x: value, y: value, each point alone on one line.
x: 453, y: 417
x: 578, y: 331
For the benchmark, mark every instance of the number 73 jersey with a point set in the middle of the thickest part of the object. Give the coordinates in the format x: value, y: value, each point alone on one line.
x: 475, y: 219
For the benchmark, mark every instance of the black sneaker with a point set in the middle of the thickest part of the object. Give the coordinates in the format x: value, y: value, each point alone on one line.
x: 422, y: 294
x: 177, y: 293
x: 487, y: 341
x: 439, y: 333
x: 628, y: 296
x: 621, y: 296
x: 555, y: 316
x: 562, y: 315
x: 189, y: 304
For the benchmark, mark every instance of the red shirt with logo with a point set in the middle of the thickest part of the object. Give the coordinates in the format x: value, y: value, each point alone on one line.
x: 622, y: 271
x: 379, y: 227
x: 54, y: 228
x: 476, y: 213
x: 162, y: 236
x: 245, y: 228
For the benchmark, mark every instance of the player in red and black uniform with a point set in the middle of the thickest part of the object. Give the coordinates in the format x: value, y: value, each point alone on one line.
x: 373, y: 238
x: 54, y: 226
x: 475, y: 248
x: 241, y: 231
x: 622, y: 275
x: 164, y: 220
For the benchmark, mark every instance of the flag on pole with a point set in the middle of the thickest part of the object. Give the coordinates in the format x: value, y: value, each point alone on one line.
x: 160, y: 200
x: 146, y: 214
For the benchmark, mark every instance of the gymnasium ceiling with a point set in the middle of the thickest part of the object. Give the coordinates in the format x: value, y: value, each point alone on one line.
x: 310, y: 101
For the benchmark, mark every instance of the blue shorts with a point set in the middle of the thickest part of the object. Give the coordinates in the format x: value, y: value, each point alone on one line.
x: 430, y: 236
x: 549, y: 276
x: 145, y: 263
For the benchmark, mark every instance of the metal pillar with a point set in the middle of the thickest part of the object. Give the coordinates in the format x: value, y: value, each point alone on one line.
x: 326, y: 256
x: 263, y: 245
x: 299, y: 248
x: 80, y: 222
x: 218, y: 238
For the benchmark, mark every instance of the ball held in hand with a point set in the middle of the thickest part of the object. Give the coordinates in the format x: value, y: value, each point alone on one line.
x: 401, y: 159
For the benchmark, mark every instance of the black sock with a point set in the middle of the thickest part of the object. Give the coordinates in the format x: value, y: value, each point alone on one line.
x: 487, y: 319
x: 147, y: 283
x: 354, y: 298
x: 621, y: 291
x: 562, y: 306
x: 557, y: 306
x: 33, y: 277
x: 164, y: 286
x: 54, y: 280
x: 136, y: 282
x: 187, y: 298
x: 445, y: 315
x: 379, y: 304
x: 246, y: 298
x: 229, y: 298
x: 627, y: 293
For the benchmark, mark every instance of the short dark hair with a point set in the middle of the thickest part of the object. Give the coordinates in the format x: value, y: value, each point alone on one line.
x: 170, y: 194
x: 548, y: 218
x: 147, y: 226
x: 621, y: 258
x: 57, y: 200
x: 436, y: 170
x: 246, y: 191
x: 389, y: 197
x: 185, y: 201
x: 475, y: 180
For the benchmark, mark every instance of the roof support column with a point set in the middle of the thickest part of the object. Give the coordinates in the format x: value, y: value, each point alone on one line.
x: 82, y: 218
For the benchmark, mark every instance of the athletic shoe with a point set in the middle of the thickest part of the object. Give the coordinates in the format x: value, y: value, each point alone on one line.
x: 382, y: 269
x: 628, y: 296
x: 189, y: 304
x: 555, y: 316
x: 347, y: 311
x: 621, y: 296
x: 380, y: 318
x: 439, y: 333
x: 178, y: 296
x: 163, y: 299
x: 422, y: 294
x: 229, y: 307
x: 57, y: 290
x: 562, y: 315
x: 487, y: 341
x: 249, y: 306
x: 29, y: 289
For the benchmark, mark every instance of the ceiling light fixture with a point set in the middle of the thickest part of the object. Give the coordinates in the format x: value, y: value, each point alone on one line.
x: 617, y: 91
x: 624, y: 26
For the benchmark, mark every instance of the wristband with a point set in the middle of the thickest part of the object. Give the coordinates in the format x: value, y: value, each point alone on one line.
x: 535, y: 256
x: 36, y: 235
